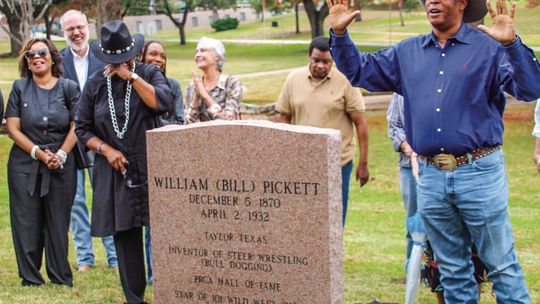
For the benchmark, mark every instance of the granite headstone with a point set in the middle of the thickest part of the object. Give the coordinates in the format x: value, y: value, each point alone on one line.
x: 245, y: 212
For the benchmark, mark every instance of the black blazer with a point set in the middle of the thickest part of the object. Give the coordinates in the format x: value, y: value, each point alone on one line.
x: 94, y: 65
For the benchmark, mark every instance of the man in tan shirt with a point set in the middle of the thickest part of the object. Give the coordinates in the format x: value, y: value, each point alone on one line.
x: 321, y: 96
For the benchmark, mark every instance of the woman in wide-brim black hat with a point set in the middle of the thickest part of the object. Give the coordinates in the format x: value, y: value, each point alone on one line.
x: 118, y: 105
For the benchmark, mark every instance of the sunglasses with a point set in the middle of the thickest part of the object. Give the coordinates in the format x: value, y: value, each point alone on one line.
x: 29, y: 55
x: 128, y: 179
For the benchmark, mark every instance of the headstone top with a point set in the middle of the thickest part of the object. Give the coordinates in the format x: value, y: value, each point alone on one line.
x: 254, y: 123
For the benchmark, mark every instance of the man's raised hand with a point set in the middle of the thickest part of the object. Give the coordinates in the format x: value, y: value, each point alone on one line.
x: 502, y: 28
x: 339, y: 16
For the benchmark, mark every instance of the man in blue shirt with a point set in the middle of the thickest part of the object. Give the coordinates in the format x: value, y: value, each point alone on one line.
x: 453, y: 82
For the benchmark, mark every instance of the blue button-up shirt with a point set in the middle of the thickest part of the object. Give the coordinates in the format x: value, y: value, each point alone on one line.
x: 454, y: 98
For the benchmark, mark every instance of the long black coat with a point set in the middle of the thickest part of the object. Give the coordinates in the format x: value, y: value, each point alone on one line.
x: 118, y: 207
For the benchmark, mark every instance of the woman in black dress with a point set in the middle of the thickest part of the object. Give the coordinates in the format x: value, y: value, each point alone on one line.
x: 118, y: 105
x: 41, y: 170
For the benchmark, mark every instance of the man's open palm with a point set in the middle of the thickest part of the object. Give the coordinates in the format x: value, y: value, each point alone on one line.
x: 339, y: 16
x: 502, y: 28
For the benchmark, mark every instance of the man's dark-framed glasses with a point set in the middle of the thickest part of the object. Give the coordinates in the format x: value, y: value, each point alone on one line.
x: 29, y: 55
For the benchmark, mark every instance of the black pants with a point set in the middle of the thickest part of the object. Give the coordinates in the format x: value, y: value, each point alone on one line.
x: 129, y: 250
x: 39, y: 223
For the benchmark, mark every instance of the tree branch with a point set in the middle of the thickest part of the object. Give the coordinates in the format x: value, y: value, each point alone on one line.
x: 6, y: 29
x: 43, y: 9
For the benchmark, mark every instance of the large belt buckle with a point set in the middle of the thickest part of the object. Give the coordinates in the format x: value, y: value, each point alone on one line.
x: 445, y: 162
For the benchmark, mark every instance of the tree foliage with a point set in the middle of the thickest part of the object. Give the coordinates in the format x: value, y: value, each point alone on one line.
x: 257, y: 5
x: 21, y: 17
x: 215, y: 5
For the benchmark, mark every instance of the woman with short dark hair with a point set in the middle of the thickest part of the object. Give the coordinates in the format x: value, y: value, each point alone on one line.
x: 117, y: 107
x: 41, y: 170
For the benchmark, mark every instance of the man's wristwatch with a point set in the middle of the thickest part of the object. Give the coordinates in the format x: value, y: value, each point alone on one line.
x: 134, y: 76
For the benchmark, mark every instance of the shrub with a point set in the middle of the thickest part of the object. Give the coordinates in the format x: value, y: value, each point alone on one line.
x: 224, y: 24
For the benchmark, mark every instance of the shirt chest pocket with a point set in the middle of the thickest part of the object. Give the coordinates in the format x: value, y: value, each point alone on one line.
x: 337, y: 102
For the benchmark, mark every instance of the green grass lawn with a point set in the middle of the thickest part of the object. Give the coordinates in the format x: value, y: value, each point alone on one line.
x: 240, y: 59
x: 378, y: 26
x: 374, y: 238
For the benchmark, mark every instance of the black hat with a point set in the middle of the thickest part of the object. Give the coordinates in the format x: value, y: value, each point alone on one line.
x: 116, y: 44
x: 475, y: 10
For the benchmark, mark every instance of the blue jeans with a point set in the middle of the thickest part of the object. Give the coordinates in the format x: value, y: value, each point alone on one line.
x: 148, y: 251
x: 465, y: 206
x: 345, y: 182
x: 408, y: 193
x: 80, y: 228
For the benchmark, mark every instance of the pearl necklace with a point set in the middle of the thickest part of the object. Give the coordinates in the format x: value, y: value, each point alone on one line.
x: 119, y: 134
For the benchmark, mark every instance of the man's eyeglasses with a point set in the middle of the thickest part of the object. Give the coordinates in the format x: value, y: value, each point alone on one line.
x: 29, y: 55
x: 73, y: 28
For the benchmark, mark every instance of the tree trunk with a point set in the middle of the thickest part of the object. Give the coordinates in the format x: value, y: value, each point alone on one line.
x: 182, y: 33
x: 215, y: 14
x: 16, y: 37
x: 316, y: 16
x: 108, y: 10
x: 357, y: 7
x: 49, y: 20
x: 181, y: 25
x: 297, y: 18
x: 400, y: 8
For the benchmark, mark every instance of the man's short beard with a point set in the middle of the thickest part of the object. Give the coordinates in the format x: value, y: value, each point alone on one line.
x: 77, y: 48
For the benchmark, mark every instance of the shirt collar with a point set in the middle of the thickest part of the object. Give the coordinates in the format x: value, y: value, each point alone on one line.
x: 75, y: 55
x: 222, y: 81
x: 329, y: 76
x: 463, y: 35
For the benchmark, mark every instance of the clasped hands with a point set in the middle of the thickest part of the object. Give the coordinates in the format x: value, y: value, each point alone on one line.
x: 199, y: 92
x: 502, y: 29
x: 51, y: 160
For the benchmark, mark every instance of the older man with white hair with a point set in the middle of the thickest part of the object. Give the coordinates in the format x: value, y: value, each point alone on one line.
x: 79, y: 65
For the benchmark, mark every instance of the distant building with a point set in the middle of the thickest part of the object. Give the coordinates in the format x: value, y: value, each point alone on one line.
x: 151, y: 24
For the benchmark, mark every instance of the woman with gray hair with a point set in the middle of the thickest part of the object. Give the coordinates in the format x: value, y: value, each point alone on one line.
x: 215, y: 95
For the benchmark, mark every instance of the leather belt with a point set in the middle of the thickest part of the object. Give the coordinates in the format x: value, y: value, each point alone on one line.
x: 449, y: 162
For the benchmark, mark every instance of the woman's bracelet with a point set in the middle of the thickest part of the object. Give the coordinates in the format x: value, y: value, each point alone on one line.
x: 62, y: 155
x: 98, y: 148
x: 33, y: 152
x: 214, y: 109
